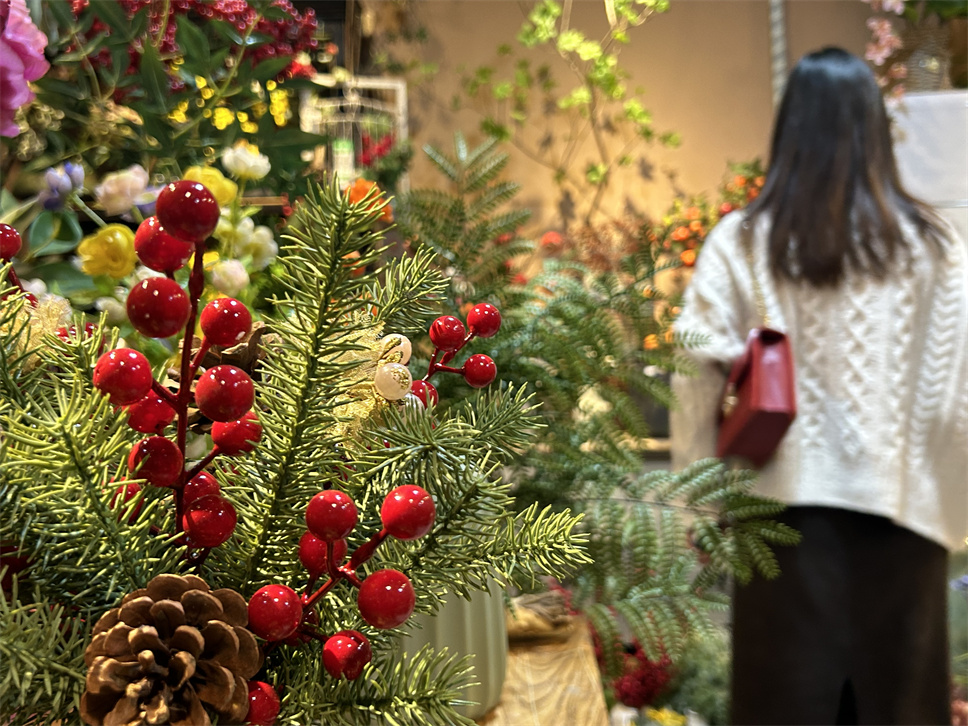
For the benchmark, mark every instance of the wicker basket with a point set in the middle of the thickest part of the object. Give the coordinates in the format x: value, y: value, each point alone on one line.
x: 929, y: 60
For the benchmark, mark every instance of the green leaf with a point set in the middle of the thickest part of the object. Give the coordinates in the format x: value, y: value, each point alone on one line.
x: 498, y: 130
x: 502, y: 90
x: 42, y: 231
x: 113, y: 15
x: 155, y: 80
x: 193, y: 42
x: 63, y: 278
x: 270, y: 68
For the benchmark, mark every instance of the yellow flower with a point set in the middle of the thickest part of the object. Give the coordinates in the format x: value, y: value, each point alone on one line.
x: 222, y: 188
x: 109, y: 251
x: 665, y: 717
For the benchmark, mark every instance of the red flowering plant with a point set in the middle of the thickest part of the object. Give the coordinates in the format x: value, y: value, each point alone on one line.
x: 166, y: 85
x: 384, y: 159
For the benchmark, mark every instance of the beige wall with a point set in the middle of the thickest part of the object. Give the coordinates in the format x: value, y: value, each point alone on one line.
x: 703, y: 68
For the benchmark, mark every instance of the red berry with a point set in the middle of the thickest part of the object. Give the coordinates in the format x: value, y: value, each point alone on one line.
x: 346, y: 654
x: 157, y: 460
x: 275, y: 612
x: 263, y: 704
x: 331, y: 515
x: 10, y: 242
x: 447, y: 333
x: 224, y: 393
x: 159, y: 250
x: 425, y: 391
x: 158, y: 307
x: 237, y: 437
x: 479, y: 370
x: 31, y: 299
x: 313, y: 552
x: 201, y: 485
x: 725, y: 208
x: 187, y: 210
x: 386, y: 599
x: 484, y: 320
x: 150, y: 415
x: 127, y: 490
x: 209, y: 521
x: 124, y: 375
x: 408, y: 512
x: 225, y: 321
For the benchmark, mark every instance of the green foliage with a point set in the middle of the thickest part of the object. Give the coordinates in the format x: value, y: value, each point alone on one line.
x: 519, y: 92
x: 63, y: 448
x: 119, y: 92
x: 470, y: 233
x: 701, y: 680
x: 588, y: 344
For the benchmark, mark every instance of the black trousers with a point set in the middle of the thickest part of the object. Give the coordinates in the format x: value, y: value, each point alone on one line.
x: 854, y: 631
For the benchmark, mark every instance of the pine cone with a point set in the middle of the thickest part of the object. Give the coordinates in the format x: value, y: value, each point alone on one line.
x: 169, y: 648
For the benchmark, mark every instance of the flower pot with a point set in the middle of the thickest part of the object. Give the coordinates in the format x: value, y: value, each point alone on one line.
x: 474, y: 627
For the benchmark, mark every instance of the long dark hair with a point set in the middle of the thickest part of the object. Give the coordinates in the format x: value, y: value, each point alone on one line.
x: 832, y: 191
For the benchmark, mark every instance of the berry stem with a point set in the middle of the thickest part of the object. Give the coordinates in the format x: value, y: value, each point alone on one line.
x: 164, y: 394
x: 196, y: 284
x: 330, y: 584
x: 365, y: 551
x: 195, y: 470
x: 448, y: 369
x: 12, y: 276
x: 197, y: 360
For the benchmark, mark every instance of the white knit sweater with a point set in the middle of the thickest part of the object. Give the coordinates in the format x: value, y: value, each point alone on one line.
x: 882, y: 381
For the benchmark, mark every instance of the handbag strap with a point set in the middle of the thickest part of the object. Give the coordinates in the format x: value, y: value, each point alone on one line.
x: 757, y: 290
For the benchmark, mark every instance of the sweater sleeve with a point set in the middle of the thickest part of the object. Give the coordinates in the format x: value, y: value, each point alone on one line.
x: 713, y: 310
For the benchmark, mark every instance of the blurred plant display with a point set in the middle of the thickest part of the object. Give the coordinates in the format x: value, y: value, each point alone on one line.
x: 167, y: 86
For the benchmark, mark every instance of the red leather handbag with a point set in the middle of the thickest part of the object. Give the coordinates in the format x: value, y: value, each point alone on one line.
x: 760, y: 400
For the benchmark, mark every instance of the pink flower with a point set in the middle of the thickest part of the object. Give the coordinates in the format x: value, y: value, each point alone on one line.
x: 21, y: 60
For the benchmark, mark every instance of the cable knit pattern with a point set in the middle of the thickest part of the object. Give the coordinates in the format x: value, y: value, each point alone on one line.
x: 882, y: 381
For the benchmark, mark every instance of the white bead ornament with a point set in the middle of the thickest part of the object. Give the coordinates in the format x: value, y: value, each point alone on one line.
x: 392, y: 381
x: 395, y: 348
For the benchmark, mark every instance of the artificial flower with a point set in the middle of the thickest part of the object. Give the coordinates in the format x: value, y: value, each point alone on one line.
x: 229, y: 277
x: 120, y: 190
x: 222, y: 188
x: 109, y: 251
x: 21, y: 60
x: 113, y: 309
x: 61, y: 181
x: 243, y: 161
x: 260, y: 246
x: 357, y: 192
x: 232, y: 236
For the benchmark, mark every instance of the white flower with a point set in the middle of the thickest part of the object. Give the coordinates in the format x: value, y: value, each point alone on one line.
x: 243, y: 161
x: 36, y: 287
x: 233, y: 236
x: 260, y: 246
x: 229, y: 277
x: 114, y: 310
x: 142, y: 273
x: 119, y: 191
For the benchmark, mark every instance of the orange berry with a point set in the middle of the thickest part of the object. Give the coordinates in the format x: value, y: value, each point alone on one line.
x: 651, y: 341
x: 688, y: 257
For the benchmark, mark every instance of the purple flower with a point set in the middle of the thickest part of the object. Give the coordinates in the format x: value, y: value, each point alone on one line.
x: 21, y: 60
x: 61, y: 181
x: 960, y: 583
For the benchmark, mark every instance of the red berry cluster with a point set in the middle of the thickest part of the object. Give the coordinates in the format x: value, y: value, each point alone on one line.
x: 159, y: 308
x: 10, y: 244
x: 386, y: 597
x: 449, y: 335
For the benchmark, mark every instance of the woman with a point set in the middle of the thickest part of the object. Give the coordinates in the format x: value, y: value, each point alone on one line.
x: 870, y: 286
